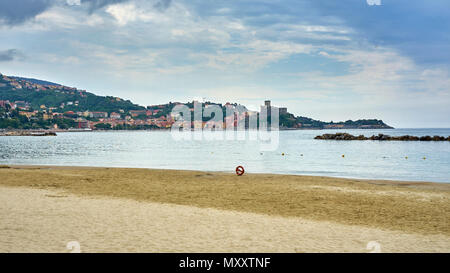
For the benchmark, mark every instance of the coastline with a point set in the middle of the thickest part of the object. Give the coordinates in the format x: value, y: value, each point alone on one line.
x: 72, y: 130
x: 282, y: 213
x: 414, y: 183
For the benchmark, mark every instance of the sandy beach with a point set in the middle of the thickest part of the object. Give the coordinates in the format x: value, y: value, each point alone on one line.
x: 141, y: 210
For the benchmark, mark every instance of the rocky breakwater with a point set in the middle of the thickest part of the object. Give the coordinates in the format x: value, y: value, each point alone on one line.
x: 27, y: 133
x: 381, y: 137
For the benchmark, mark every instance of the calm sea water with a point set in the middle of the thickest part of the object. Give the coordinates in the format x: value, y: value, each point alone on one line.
x: 303, y: 154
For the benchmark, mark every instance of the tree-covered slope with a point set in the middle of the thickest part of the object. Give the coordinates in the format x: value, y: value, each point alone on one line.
x: 56, y: 95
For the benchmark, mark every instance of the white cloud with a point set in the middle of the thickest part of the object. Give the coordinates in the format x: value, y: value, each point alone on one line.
x: 382, y: 78
x: 235, y: 25
x: 125, y: 13
x: 251, y: 56
x: 373, y: 2
x: 178, y: 32
x: 224, y: 10
x: 73, y: 2
x: 63, y: 18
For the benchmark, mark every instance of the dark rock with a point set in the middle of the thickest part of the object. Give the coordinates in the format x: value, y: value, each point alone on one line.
x: 425, y: 138
x: 362, y: 137
x: 438, y: 138
x: 380, y: 137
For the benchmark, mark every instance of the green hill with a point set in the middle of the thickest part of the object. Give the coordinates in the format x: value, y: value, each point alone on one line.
x: 38, y: 93
x: 34, y: 80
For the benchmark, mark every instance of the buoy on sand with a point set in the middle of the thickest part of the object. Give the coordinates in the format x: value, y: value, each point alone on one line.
x: 240, y: 170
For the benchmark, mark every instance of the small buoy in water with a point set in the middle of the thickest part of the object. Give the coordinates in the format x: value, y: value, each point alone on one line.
x: 261, y: 153
x: 240, y: 170
x: 343, y: 155
x: 406, y: 157
x: 301, y: 154
x: 424, y: 158
x: 282, y: 153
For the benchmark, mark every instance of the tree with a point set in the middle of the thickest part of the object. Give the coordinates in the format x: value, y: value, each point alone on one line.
x: 103, y: 126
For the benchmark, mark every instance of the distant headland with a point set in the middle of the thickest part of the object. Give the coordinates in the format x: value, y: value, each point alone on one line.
x: 30, y: 104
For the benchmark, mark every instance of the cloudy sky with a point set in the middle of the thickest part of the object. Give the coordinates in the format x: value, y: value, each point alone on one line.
x: 325, y: 59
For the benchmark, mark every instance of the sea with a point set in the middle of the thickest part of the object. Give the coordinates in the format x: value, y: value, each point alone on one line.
x: 296, y: 152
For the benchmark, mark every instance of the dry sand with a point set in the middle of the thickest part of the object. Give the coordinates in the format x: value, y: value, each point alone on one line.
x: 129, y: 210
x: 45, y: 221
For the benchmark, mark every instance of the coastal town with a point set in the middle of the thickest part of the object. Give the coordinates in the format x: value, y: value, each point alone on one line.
x: 35, y: 104
x: 150, y: 117
x: 90, y: 119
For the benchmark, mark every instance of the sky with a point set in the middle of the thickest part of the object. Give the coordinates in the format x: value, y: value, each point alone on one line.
x: 328, y: 60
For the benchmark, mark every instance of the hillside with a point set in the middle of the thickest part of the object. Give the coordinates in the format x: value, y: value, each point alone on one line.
x: 290, y: 121
x: 37, y: 93
x: 36, y: 81
x: 34, y: 103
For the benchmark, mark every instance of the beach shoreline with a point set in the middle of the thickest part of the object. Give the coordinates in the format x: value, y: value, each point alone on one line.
x: 294, y: 210
x: 418, y: 183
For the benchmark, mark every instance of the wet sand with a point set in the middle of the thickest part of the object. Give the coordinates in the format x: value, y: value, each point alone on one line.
x: 129, y: 210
